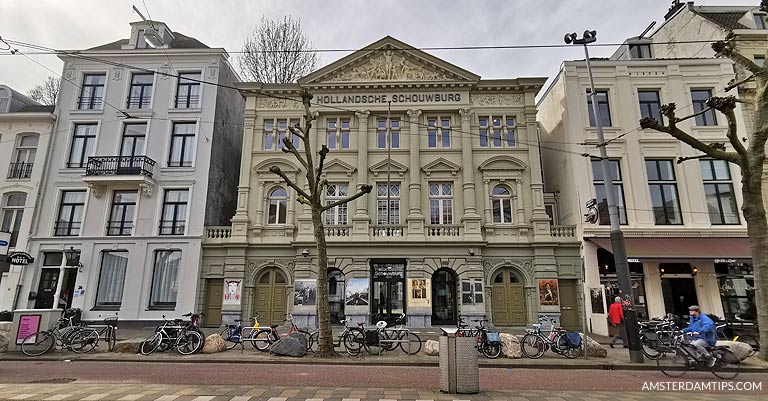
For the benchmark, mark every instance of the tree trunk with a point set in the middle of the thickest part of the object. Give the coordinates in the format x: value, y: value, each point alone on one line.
x: 325, y: 341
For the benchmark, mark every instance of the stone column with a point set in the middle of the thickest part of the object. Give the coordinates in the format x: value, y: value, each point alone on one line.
x: 240, y: 220
x: 520, y: 204
x: 258, y: 224
x: 470, y: 218
x: 415, y: 219
x: 486, y: 195
x: 527, y: 133
x: 361, y: 219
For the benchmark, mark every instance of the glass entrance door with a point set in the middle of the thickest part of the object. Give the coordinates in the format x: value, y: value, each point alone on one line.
x: 443, y: 297
x: 388, y: 291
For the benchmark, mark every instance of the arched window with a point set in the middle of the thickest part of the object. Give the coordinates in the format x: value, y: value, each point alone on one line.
x: 278, y: 206
x: 501, y: 198
x: 13, y: 212
x: 24, y: 157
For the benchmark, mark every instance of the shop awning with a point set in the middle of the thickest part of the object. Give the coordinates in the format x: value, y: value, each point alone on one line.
x: 682, y: 248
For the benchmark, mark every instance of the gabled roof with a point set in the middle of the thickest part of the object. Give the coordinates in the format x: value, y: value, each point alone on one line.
x: 725, y: 19
x: 180, y: 41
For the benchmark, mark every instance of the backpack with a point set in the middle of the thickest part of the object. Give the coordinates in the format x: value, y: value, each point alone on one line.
x: 493, y: 337
x: 573, y: 339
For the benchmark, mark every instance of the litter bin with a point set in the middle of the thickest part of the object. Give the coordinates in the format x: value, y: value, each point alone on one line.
x: 459, y: 372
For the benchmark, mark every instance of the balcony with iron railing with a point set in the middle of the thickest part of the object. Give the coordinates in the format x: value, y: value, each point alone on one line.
x: 187, y: 101
x: 137, y: 170
x: 20, y: 171
x: 139, y: 102
x: 90, y: 103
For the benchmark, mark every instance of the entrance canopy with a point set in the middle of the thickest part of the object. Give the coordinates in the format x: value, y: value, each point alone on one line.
x: 681, y: 248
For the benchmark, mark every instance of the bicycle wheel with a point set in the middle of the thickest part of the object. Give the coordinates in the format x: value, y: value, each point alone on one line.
x: 38, y: 344
x: 388, y: 339
x: 490, y: 350
x: 533, y: 346
x: 231, y: 342
x: 351, y: 343
x: 411, y: 344
x: 151, y: 344
x: 727, y: 366
x: 190, y: 342
x: 651, y: 348
x: 752, y: 341
x: 84, y: 340
x: 111, y: 338
x: 312, y: 340
x: 674, y: 364
x: 261, y: 340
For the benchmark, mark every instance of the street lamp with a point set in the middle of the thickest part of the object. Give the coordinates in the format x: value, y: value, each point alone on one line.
x: 617, y: 237
x: 72, y: 255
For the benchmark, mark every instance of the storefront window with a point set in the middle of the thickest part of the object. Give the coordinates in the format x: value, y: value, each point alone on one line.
x: 737, y: 290
x: 610, y: 282
x: 388, y: 291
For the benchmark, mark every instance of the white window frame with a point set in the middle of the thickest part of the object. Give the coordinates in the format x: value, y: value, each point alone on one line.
x: 394, y: 131
x: 338, y: 215
x: 338, y: 132
x: 502, y: 199
x: 444, y: 202
x: 381, y: 203
x: 437, y: 127
x: 17, y: 215
x: 284, y: 216
x: 275, y: 133
x: 504, y: 128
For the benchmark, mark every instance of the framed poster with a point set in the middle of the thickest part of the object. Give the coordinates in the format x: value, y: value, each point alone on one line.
x: 233, y: 290
x: 28, y: 325
x: 419, y: 292
x: 548, y: 294
x: 357, y: 292
x: 596, y: 298
x: 305, y: 292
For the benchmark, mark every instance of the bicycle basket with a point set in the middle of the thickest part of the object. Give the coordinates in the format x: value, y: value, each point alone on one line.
x: 372, y: 338
x: 493, y: 337
x: 234, y: 333
x: 573, y: 339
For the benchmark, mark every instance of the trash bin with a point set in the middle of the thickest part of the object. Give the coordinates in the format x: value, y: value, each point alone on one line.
x: 459, y: 372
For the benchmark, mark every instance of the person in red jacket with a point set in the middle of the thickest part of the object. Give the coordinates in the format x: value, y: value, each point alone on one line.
x: 616, y: 319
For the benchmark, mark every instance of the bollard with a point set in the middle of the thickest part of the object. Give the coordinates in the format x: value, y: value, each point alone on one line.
x: 459, y: 371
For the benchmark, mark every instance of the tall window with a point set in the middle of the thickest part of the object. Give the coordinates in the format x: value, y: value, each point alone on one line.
x: 664, y: 198
x: 440, y: 203
x: 5, y: 100
x: 759, y: 21
x: 394, y: 203
x: 141, y: 43
x: 109, y: 294
x: 140, y: 94
x: 182, y: 145
x: 134, y: 136
x: 497, y: 131
x: 24, y: 157
x: 650, y: 104
x: 699, y: 99
x: 381, y: 133
x: 188, y: 90
x: 174, y: 218
x: 275, y: 129
x: 718, y: 189
x: 600, y: 193
x: 278, y: 206
x: 122, y: 212
x: 70, y: 217
x: 640, y: 51
x: 92, y: 92
x: 13, y: 212
x: 501, y: 200
x: 439, y: 132
x: 165, y: 280
x: 336, y: 216
x: 83, y: 141
x: 602, y: 106
x: 337, y: 133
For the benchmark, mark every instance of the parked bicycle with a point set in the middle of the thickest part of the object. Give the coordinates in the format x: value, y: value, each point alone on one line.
x: 398, y: 334
x: 535, y: 343
x: 273, y: 334
x: 658, y: 335
x: 348, y: 338
x: 67, y: 333
x: 738, y: 331
x: 107, y: 330
x: 678, y: 359
x: 182, y: 335
x: 488, y: 342
x: 236, y: 334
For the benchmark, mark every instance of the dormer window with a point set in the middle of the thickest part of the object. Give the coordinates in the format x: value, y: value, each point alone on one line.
x: 640, y: 51
x: 5, y: 100
x: 759, y: 21
x: 140, y: 42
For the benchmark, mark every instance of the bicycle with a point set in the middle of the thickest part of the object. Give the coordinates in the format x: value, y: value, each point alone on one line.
x: 348, y: 338
x: 488, y: 342
x: 732, y: 328
x: 65, y: 333
x: 657, y: 335
x: 534, y: 344
x: 274, y: 335
x: 683, y: 357
x: 107, y: 331
x: 399, y: 335
x: 174, y: 334
x: 234, y: 334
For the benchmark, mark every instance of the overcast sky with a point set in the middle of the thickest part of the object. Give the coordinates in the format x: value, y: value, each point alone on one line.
x: 70, y: 24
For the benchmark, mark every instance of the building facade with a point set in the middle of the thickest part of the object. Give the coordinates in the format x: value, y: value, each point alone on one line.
x: 685, y: 234
x: 456, y: 223
x: 143, y: 162
x: 26, y: 128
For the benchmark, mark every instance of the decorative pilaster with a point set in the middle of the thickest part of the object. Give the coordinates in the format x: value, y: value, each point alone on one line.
x: 470, y: 218
x: 415, y: 219
x: 306, y: 229
x: 487, y: 195
x: 260, y: 198
x: 519, y: 203
x: 539, y: 217
x: 361, y: 220
x: 240, y: 220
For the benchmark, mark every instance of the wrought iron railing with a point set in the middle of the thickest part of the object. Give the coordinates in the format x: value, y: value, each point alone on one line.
x: 20, y: 170
x: 187, y: 101
x: 119, y: 165
x: 89, y: 103
x: 139, y: 102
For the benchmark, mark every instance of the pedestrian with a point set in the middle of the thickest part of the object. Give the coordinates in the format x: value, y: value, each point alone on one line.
x: 616, y: 319
x: 702, y: 328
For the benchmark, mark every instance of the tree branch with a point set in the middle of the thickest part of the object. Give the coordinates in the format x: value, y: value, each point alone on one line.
x: 321, y: 163
x: 276, y: 170
x: 693, y: 115
x: 727, y: 105
x: 289, y: 148
x: 294, y: 132
x: 364, y: 190
x: 727, y: 49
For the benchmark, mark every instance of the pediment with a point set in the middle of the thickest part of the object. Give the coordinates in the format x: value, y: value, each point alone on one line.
x: 389, y: 60
x: 286, y: 166
x: 390, y: 165
x: 502, y: 163
x: 339, y: 167
x: 440, y: 165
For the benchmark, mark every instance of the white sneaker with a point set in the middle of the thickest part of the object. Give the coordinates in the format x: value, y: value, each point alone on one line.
x: 711, y: 362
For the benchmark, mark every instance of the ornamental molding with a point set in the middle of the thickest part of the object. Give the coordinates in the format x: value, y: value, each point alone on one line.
x: 380, y: 168
x: 147, y: 189
x: 496, y: 99
x: 97, y: 191
x: 273, y: 103
x: 441, y: 165
x: 389, y: 65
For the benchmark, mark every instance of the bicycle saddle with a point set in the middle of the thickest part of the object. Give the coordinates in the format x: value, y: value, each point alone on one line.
x: 361, y: 324
x: 238, y: 320
x: 274, y: 326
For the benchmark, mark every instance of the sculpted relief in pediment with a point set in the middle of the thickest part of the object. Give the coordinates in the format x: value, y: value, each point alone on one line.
x: 389, y: 65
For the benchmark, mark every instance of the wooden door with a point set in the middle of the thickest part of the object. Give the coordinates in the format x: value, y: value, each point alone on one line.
x: 508, y: 299
x: 569, y: 304
x: 46, y: 288
x: 271, y: 297
x: 214, y: 289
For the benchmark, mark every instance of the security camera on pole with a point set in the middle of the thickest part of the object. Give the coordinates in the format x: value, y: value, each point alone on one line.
x: 617, y: 237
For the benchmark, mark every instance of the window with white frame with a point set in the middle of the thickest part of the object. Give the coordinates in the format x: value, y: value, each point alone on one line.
x: 182, y: 144
x: 165, y: 278
x: 275, y: 129
x: 394, y: 133
x: 389, y: 215
x: 337, y: 133
x: 337, y: 215
x: 24, y: 157
x: 277, y: 205
x: 83, y: 143
x: 13, y: 212
x: 173, y: 220
x: 188, y: 90
x: 501, y: 201
x: 141, y: 43
x: 497, y: 131
x: 441, y: 203
x: 109, y: 293
x: 71, y: 208
x: 92, y: 92
x: 439, y: 132
x: 472, y: 292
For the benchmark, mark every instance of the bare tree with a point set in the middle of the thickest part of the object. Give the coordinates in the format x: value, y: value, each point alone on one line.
x: 313, y: 198
x: 750, y: 158
x: 277, y: 52
x: 46, y: 92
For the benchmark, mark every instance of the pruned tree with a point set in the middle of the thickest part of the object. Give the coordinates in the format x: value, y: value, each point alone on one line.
x: 313, y: 198
x: 277, y: 52
x: 748, y: 153
x: 46, y: 92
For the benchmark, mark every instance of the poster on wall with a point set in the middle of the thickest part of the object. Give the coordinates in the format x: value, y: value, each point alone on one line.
x: 357, y: 291
x: 596, y: 298
x: 305, y: 292
x: 28, y: 325
x: 548, y: 293
x: 419, y: 292
x: 233, y: 292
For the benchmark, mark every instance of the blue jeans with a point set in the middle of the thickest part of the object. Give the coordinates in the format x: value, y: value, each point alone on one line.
x: 701, y: 349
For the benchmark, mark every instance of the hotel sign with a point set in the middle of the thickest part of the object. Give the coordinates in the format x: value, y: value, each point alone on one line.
x: 384, y: 98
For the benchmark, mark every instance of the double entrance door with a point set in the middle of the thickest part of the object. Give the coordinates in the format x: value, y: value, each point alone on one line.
x: 508, y: 294
x: 271, y: 301
x: 388, y: 280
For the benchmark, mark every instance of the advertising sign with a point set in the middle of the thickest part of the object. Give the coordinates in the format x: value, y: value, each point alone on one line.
x: 20, y: 258
x: 419, y: 292
x: 548, y: 292
x: 305, y: 292
x: 357, y: 292
x: 28, y: 325
x: 233, y: 290
x: 5, y: 242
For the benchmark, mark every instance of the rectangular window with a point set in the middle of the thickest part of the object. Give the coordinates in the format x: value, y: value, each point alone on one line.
x: 141, y: 43
x: 122, y: 212
x: 165, y: 280
x: 381, y: 133
x: 275, y: 129
x: 70, y: 216
x: 650, y: 104
x: 759, y: 59
x: 337, y: 133
x: 718, y: 189
x: 440, y: 203
x: 92, y: 92
x: 640, y: 51
x: 13, y: 213
x: 600, y: 194
x: 497, y: 131
x: 336, y: 216
x: 174, y: 218
x: 472, y: 292
x: 188, y: 90
x: 277, y: 206
x: 182, y: 145
x: 134, y: 136
x: 109, y: 294
x: 140, y: 94
x: 759, y: 21
x: 389, y: 215
x: 603, y: 107
x: 699, y: 99
x: 83, y: 141
x: 439, y: 132
x: 664, y: 197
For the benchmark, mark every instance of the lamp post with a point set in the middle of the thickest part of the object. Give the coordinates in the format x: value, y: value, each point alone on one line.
x: 617, y: 236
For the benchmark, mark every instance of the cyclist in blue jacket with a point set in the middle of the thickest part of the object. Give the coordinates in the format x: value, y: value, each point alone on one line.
x: 703, y: 330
